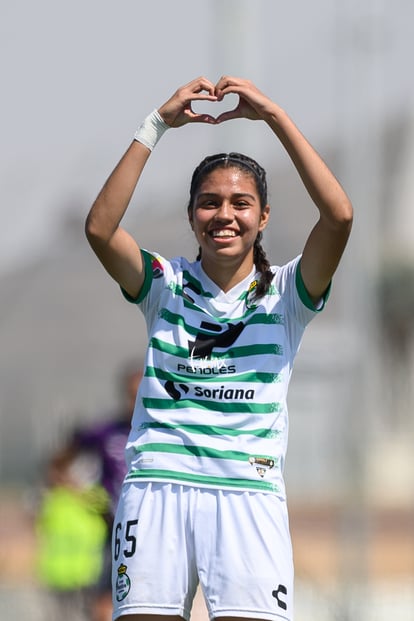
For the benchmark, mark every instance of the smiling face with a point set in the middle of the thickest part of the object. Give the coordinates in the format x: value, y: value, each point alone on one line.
x: 226, y: 217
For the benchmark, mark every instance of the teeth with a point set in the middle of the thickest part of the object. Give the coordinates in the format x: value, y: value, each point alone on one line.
x: 223, y: 233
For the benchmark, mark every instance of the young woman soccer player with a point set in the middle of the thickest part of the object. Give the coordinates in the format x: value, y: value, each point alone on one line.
x: 204, y: 498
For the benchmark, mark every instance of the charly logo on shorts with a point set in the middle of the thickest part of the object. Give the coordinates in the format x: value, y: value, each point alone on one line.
x: 123, y: 583
x: 279, y: 594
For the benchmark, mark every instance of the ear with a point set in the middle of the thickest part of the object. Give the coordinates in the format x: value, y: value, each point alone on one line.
x: 264, y: 218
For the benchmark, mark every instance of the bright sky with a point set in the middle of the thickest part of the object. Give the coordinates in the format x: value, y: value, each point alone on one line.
x: 79, y: 76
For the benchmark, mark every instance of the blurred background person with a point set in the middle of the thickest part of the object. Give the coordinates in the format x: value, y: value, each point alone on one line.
x: 71, y: 532
x: 104, y: 444
x: 84, y: 480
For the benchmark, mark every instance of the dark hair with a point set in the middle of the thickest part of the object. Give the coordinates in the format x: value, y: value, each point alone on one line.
x: 250, y: 166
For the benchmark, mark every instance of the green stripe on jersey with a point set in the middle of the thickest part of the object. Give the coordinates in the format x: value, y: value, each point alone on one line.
x: 260, y: 349
x: 213, y: 430
x: 196, y: 451
x: 266, y: 319
x: 257, y: 318
x: 170, y: 475
x: 216, y: 406
x: 190, y: 278
x: 177, y: 320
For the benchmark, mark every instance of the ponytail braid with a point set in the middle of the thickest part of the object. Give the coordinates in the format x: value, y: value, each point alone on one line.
x: 263, y: 266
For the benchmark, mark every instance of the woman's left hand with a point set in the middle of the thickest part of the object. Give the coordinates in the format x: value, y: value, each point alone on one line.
x: 253, y: 104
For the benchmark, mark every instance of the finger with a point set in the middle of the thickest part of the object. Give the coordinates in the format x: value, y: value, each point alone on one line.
x: 194, y: 117
x: 201, y: 84
x: 228, y: 116
x: 203, y: 97
x: 204, y: 118
x: 226, y: 84
x: 226, y: 80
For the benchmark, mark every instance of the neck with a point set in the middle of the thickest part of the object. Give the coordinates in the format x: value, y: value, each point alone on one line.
x: 227, y: 275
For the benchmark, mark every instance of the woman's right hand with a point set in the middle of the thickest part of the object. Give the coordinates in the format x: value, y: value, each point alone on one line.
x: 177, y: 111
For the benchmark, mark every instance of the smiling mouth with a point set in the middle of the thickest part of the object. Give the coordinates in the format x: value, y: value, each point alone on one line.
x: 223, y: 233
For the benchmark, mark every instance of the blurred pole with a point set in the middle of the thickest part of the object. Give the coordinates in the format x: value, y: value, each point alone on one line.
x: 238, y: 51
x: 360, y: 29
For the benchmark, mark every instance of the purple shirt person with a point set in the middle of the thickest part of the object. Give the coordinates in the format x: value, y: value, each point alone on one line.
x: 105, y: 442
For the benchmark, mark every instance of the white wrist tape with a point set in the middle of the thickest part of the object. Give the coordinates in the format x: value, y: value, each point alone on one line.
x: 151, y: 130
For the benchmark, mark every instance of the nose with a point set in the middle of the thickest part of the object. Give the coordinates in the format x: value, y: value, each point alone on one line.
x: 225, y: 212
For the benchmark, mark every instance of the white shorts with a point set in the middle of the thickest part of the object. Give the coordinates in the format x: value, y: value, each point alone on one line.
x: 169, y: 537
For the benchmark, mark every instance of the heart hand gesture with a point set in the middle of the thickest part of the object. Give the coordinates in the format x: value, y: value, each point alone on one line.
x: 177, y: 111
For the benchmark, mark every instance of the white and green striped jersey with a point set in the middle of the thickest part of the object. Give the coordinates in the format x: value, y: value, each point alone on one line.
x: 211, y: 409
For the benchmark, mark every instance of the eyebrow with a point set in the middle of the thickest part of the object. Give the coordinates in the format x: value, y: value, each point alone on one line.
x: 217, y: 194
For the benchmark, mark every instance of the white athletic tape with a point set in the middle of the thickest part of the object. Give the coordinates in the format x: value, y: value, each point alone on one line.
x: 151, y: 130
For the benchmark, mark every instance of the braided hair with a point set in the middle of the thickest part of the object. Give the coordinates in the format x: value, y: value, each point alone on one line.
x: 250, y: 166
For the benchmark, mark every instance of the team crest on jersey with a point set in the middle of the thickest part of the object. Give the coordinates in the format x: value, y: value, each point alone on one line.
x: 123, y: 583
x: 251, y: 293
x: 252, y: 286
x: 262, y: 464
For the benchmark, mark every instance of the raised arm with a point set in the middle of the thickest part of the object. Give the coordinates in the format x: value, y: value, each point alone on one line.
x: 327, y: 240
x: 117, y: 250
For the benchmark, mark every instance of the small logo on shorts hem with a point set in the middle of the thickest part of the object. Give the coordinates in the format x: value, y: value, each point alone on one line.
x: 123, y: 583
